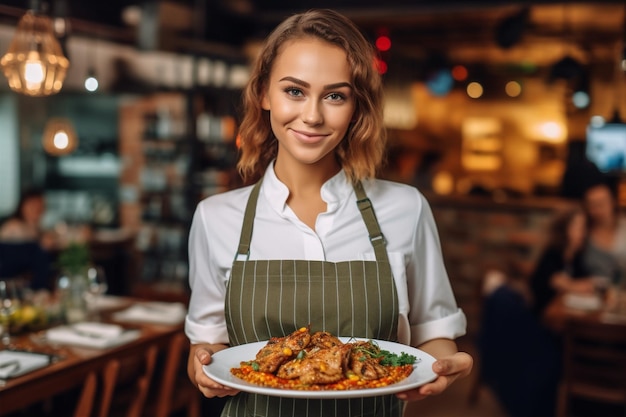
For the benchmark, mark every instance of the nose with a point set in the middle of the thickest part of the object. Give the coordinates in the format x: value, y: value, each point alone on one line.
x: 312, y: 113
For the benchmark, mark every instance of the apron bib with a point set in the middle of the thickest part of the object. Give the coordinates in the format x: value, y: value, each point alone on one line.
x: 266, y: 298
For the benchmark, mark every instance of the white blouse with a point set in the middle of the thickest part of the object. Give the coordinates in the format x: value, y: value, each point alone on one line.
x: 427, y: 307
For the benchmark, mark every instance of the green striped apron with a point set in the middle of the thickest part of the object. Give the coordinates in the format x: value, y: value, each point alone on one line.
x: 266, y: 298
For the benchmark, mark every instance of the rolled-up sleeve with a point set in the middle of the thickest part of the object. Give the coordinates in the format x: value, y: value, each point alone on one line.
x: 434, y: 312
x: 449, y: 327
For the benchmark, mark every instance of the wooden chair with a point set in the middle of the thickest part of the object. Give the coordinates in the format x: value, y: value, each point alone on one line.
x: 175, y: 392
x: 126, y: 383
x: 87, y: 396
x: 594, y: 367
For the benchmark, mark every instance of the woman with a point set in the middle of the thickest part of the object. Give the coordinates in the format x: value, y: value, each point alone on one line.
x: 23, y: 246
x: 560, y: 268
x: 605, y: 255
x: 312, y: 132
x: 24, y: 224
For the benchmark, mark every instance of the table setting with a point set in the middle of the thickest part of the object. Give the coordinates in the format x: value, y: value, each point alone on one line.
x: 96, y: 335
x: 17, y: 363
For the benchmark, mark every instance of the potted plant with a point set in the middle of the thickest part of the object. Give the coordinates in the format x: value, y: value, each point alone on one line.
x: 74, y: 259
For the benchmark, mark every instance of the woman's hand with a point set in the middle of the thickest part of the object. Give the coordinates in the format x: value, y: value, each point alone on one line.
x: 200, y: 355
x: 449, y: 368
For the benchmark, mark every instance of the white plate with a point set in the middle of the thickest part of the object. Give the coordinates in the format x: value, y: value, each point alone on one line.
x: 222, y: 362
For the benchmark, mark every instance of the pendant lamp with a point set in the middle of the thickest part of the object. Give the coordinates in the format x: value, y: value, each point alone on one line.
x: 34, y: 64
x: 59, y: 137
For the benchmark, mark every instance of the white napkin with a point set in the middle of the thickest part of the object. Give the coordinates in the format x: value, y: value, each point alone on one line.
x: 91, y: 334
x: 582, y: 301
x: 153, y: 312
x: 15, y: 363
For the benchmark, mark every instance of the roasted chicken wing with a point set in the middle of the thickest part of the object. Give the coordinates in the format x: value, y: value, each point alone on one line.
x: 279, y: 350
x: 323, y: 340
x: 363, y: 364
x: 319, y: 366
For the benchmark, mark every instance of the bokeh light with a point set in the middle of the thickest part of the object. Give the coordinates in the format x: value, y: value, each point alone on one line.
x: 459, y: 73
x: 383, y: 43
x: 513, y: 89
x: 475, y: 89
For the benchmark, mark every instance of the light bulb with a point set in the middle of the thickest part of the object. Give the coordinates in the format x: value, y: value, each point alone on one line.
x: 91, y: 83
x: 61, y: 140
x: 33, y: 73
x: 59, y: 137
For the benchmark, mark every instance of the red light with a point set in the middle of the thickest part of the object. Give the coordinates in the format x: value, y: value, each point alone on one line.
x: 459, y: 73
x: 380, y: 65
x: 383, y: 43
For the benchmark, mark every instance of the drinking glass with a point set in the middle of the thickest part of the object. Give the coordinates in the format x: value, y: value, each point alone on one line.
x: 97, y: 285
x: 9, y: 303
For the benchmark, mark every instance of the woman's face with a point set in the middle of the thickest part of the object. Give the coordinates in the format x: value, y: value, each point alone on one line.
x: 32, y: 209
x: 310, y: 101
x: 600, y: 205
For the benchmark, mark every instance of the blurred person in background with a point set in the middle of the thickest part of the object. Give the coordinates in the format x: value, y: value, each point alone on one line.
x: 23, y: 245
x: 512, y: 327
x: 561, y: 267
x: 25, y: 223
x: 605, y: 255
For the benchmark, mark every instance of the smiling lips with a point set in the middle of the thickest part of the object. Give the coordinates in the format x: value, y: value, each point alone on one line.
x: 308, y: 137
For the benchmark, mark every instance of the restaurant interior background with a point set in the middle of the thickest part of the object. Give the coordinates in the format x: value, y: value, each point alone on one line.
x: 489, y: 105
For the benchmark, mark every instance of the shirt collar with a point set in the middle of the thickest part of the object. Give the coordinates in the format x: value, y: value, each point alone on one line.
x: 334, y: 191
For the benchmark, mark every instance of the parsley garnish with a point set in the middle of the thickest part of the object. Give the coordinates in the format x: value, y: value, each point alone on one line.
x: 393, y: 359
x: 387, y: 358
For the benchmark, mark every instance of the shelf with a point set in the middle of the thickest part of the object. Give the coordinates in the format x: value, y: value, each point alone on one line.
x: 177, y: 148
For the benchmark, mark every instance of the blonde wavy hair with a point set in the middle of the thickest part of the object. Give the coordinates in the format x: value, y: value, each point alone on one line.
x: 362, y: 151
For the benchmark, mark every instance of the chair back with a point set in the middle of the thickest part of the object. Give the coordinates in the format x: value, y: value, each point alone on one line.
x: 126, y: 383
x: 594, y: 364
x: 175, y: 392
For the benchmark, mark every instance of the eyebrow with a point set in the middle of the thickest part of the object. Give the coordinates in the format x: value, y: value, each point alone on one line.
x: 307, y: 85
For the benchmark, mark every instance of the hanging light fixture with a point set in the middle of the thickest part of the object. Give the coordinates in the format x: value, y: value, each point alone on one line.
x: 91, y: 81
x: 34, y: 64
x: 59, y: 137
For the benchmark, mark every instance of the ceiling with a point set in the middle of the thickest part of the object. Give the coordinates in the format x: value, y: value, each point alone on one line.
x: 467, y: 31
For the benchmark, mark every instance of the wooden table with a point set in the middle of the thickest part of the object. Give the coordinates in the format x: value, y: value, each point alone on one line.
x: 557, y: 313
x: 73, y: 365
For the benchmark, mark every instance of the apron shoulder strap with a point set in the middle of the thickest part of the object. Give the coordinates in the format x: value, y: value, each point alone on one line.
x: 363, y: 202
x: 373, y: 228
x: 248, y: 223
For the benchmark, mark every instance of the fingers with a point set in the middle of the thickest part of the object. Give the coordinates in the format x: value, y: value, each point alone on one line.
x: 208, y: 387
x: 433, y: 388
x: 204, y: 356
x: 459, y: 364
x: 449, y: 370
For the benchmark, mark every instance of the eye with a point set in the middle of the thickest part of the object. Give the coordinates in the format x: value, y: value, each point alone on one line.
x: 335, y: 97
x: 293, y: 91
